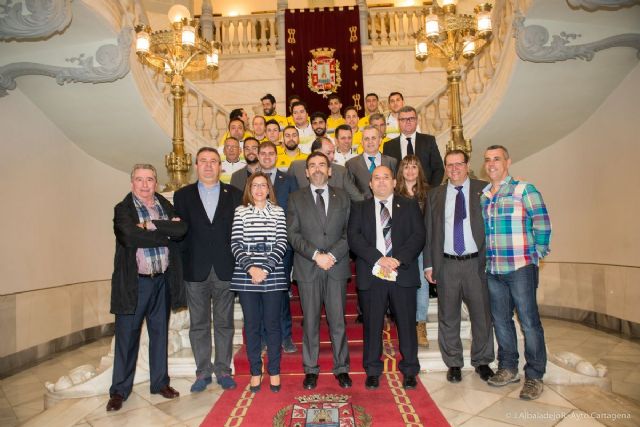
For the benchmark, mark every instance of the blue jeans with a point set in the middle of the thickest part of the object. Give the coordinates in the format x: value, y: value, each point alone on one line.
x: 422, y: 296
x: 518, y: 290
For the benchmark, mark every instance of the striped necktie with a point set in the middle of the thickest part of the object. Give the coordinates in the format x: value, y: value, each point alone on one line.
x: 385, y: 222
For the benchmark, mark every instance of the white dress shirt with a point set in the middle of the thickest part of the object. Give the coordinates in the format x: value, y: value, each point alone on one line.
x: 403, y: 144
x: 470, y: 246
x: 380, y: 243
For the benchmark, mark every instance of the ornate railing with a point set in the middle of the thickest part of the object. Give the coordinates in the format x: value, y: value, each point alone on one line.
x: 249, y: 34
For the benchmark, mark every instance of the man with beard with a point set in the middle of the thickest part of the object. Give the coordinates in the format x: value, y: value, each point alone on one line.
x: 291, y: 151
x: 317, y: 229
x: 370, y: 107
x: 269, y: 109
x: 259, y: 125
x: 250, y: 150
x: 351, y: 119
x: 335, y: 119
x: 306, y: 135
x: 319, y: 123
x: 344, y: 148
x: 396, y: 102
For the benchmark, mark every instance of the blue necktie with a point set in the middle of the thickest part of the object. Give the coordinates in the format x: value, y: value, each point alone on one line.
x: 458, y: 218
x: 372, y: 165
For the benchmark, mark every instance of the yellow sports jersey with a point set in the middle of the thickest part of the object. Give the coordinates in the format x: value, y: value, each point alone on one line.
x: 284, y: 160
x: 290, y: 121
x: 363, y: 122
x: 356, y: 140
x: 360, y: 149
x: 282, y: 121
x: 264, y: 138
x: 332, y: 124
x: 246, y: 135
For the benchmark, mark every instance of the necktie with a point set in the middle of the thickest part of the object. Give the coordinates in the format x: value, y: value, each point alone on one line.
x: 458, y: 217
x: 409, y: 146
x: 372, y: 165
x: 320, y: 204
x: 385, y: 222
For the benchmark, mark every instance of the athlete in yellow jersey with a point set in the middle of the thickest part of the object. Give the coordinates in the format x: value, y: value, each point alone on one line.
x: 371, y: 107
x: 269, y: 109
x: 335, y: 119
x: 290, y: 151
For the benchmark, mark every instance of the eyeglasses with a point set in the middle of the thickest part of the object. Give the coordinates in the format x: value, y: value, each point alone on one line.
x: 407, y: 119
x: 260, y: 185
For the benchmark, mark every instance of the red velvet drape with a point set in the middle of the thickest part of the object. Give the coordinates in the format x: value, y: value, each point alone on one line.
x: 315, y: 29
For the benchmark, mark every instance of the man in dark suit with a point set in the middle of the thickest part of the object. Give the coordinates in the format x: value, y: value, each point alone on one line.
x: 317, y: 229
x: 208, y: 206
x: 146, y: 282
x: 339, y: 175
x: 250, y: 151
x: 360, y: 167
x: 421, y: 144
x: 454, y: 259
x: 386, y: 233
x: 283, y: 186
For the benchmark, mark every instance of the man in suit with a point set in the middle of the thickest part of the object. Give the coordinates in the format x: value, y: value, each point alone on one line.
x: 339, y: 177
x: 363, y: 165
x: 208, y: 206
x: 283, y: 186
x: 412, y: 142
x: 454, y: 259
x: 317, y: 229
x: 250, y: 150
x: 146, y: 282
x: 386, y: 233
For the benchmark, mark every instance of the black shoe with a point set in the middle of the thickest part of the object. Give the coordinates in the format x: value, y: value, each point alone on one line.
x: 484, y: 371
x: 454, y: 375
x: 409, y: 382
x: 115, y: 402
x: 310, y: 381
x: 343, y: 380
x: 372, y: 382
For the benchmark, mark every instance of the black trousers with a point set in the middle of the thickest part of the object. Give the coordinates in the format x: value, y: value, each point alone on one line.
x: 152, y: 306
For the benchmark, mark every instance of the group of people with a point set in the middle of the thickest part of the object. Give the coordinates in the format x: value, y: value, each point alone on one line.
x: 479, y: 242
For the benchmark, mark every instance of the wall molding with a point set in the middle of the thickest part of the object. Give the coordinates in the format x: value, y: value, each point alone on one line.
x: 592, y: 5
x: 46, y: 17
x: 112, y: 60
x: 531, y: 44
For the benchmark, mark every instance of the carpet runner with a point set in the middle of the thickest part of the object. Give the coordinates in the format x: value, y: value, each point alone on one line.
x: 328, y: 404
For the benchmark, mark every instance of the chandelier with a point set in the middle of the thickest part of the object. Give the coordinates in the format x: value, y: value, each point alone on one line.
x: 447, y: 34
x: 176, y: 51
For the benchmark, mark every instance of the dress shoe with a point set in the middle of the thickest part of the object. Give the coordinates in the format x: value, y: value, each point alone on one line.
x: 255, y: 388
x: 343, y: 380
x: 454, y: 375
x: 275, y: 388
x: 167, y: 392
x: 372, y: 382
x: 310, y: 381
x: 200, y: 384
x: 409, y: 382
x: 484, y: 371
x: 115, y: 402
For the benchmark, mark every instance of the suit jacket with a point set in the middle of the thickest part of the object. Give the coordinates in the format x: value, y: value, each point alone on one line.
x: 207, y: 243
x: 434, y: 225
x: 307, y: 233
x: 130, y: 237
x: 357, y: 167
x: 426, y: 149
x: 283, y: 186
x: 340, y: 178
x: 407, y: 238
x: 239, y: 179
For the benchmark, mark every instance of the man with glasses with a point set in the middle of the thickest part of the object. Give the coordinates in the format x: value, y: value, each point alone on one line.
x: 454, y: 259
x: 421, y: 144
x: 232, y: 161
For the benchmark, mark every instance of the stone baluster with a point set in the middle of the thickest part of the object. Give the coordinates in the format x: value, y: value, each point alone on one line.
x: 255, y: 37
x: 282, y: 6
x: 364, y: 19
x: 213, y: 131
x: 272, y: 34
x: 393, y: 41
x: 410, y: 30
x: 373, y: 32
x: 200, y: 115
x: 384, y: 40
x: 225, y: 36
x: 401, y: 34
x: 437, y: 120
x: 206, y: 20
x: 236, y: 36
x: 246, y: 37
x: 262, y: 36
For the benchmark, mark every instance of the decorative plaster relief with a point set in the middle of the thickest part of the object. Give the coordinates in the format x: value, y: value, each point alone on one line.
x: 592, y: 5
x: 531, y: 44
x: 46, y: 17
x: 113, y: 63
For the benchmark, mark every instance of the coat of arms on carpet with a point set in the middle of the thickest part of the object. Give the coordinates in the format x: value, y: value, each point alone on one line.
x: 322, y: 410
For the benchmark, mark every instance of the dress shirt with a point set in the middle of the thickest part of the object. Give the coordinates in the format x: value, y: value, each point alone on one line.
x: 380, y: 243
x: 272, y: 174
x: 470, y: 246
x: 209, y: 197
x: 403, y: 144
x: 325, y: 196
x: 517, y: 226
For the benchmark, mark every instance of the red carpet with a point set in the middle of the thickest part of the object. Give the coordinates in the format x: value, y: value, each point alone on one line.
x: 328, y: 404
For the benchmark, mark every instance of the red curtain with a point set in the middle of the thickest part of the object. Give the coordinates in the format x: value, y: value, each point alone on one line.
x: 323, y: 56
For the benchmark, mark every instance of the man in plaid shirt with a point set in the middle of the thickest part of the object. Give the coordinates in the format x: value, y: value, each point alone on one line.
x: 518, y: 231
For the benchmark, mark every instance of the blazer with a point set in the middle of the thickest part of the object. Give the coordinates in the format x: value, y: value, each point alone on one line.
x: 357, y: 167
x: 129, y: 238
x: 434, y: 225
x: 307, y: 233
x: 407, y: 237
x: 207, y: 243
x: 282, y: 186
x: 426, y: 149
x: 340, y: 178
x: 239, y: 179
